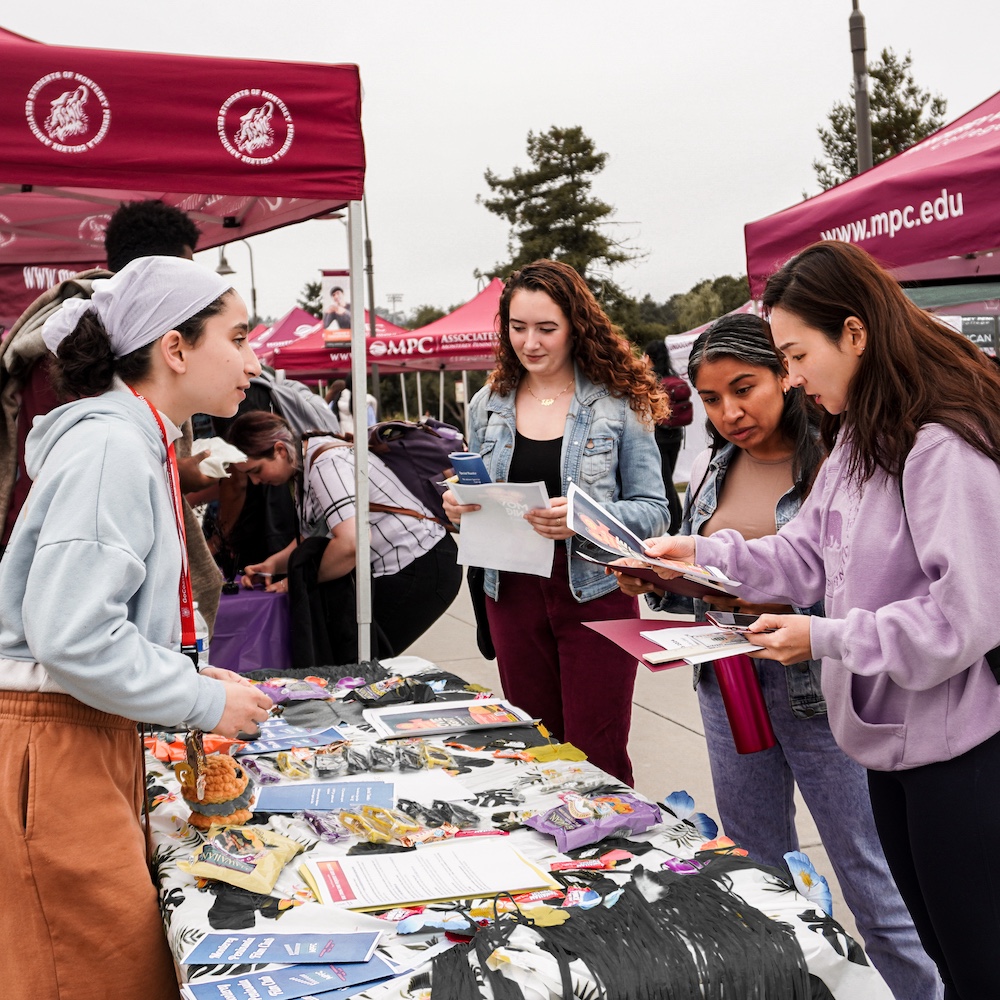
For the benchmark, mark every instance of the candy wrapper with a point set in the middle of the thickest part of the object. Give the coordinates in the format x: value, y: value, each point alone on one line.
x: 250, y: 857
x: 581, y: 820
x: 282, y: 689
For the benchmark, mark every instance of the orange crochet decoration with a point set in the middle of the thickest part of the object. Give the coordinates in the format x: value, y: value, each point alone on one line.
x: 227, y: 793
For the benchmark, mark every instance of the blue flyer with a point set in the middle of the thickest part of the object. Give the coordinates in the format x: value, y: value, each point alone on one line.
x: 322, y: 949
x: 325, y: 795
x: 292, y: 982
x: 278, y: 735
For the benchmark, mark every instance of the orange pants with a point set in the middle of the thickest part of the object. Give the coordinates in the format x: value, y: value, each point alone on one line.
x: 79, y: 915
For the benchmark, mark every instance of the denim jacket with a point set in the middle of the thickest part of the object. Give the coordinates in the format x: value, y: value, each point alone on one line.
x: 606, y: 451
x: 804, y: 694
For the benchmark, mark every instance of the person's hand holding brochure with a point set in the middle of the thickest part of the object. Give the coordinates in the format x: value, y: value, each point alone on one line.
x: 596, y: 524
x: 698, y: 644
x: 497, y: 536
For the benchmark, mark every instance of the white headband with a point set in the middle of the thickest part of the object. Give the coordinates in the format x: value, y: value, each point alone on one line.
x: 145, y: 299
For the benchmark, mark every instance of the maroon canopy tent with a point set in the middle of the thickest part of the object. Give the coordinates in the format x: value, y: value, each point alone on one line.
x: 462, y: 340
x: 242, y: 146
x: 303, y: 335
x: 937, y: 199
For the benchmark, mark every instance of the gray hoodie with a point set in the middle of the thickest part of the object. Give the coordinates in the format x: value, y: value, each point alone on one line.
x: 88, y: 584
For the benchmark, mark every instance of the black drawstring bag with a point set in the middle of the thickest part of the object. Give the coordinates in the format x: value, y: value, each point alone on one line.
x: 476, y: 577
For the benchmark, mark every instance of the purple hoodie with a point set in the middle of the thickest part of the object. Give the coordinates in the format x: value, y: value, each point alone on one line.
x: 911, y: 598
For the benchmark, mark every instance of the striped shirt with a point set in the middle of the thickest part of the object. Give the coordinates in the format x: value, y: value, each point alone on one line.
x: 396, y: 539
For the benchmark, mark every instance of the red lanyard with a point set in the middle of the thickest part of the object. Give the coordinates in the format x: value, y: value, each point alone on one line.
x: 189, y: 641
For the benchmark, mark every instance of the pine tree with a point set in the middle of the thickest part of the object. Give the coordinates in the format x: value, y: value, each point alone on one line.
x: 553, y: 214
x: 901, y: 114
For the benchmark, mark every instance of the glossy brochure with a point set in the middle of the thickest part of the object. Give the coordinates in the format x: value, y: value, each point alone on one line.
x: 445, y: 717
x: 599, y: 526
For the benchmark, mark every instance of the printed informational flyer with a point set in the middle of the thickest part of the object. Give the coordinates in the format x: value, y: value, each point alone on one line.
x: 497, y: 536
x: 453, y: 870
x: 448, y: 717
x: 600, y: 527
x: 215, y: 949
x: 701, y: 643
x: 278, y: 735
x: 290, y: 983
x: 324, y: 795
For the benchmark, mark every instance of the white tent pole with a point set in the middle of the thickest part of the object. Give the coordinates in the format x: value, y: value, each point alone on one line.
x: 420, y: 398
x: 402, y: 389
x: 359, y: 404
x: 441, y: 395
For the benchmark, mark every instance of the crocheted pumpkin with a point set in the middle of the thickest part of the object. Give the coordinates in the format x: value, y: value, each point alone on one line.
x: 228, y: 791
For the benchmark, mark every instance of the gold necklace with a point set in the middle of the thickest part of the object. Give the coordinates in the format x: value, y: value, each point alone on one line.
x: 551, y: 399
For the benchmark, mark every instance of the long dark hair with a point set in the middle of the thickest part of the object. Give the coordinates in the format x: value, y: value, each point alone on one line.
x: 748, y: 339
x: 599, y: 347
x: 659, y: 357
x: 914, y: 371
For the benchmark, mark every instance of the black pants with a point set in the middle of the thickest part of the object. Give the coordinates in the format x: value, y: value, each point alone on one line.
x: 408, y: 603
x: 940, y: 830
x: 668, y: 440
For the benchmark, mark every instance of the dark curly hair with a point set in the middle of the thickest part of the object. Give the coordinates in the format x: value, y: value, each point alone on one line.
x: 599, y: 348
x: 147, y: 229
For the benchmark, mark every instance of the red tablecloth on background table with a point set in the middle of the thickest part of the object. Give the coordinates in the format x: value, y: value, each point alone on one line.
x: 252, y: 632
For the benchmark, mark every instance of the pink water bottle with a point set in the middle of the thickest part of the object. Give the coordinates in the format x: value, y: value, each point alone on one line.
x: 744, y: 701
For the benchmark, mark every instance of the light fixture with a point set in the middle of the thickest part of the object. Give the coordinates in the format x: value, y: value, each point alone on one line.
x: 223, y: 268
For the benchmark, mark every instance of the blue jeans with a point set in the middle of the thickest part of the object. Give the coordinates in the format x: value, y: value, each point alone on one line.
x: 754, y: 794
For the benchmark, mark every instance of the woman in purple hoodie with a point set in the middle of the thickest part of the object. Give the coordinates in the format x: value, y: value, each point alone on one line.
x: 899, y: 538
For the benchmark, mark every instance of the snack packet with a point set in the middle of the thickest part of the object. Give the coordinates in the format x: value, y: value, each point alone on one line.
x: 250, y: 857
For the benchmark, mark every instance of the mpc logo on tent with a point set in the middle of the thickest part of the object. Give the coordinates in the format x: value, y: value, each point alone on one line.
x: 255, y: 126
x: 67, y: 112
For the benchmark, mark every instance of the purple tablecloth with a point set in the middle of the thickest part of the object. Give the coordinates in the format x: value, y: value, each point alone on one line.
x: 252, y: 632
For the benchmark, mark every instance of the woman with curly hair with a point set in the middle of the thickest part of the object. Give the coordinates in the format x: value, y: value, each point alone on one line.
x: 568, y: 401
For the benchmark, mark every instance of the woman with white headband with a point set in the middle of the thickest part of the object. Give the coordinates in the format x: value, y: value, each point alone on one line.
x: 95, y: 621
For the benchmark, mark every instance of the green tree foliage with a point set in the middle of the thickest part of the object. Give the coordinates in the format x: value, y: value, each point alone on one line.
x: 311, y: 299
x: 705, y: 301
x: 552, y: 213
x: 901, y: 114
x: 423, y: 315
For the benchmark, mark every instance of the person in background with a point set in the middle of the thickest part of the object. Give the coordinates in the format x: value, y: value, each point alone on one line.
x: 94, y: 605
x: 568, y: 401
x: 338, y: 314
x: 345, y: 411
x: 669, y: 433
x: 765, y: 451
x: 898, y: 538
x: 413, y: 558
x: 136, y: 229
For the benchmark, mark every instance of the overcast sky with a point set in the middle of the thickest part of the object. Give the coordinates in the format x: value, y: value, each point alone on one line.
x: 708, y: 109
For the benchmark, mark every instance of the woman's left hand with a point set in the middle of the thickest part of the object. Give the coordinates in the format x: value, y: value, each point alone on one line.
x: 550, y: 522
x: 788, y: 643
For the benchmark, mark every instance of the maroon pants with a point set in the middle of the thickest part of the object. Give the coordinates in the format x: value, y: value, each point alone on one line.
x: 576, y: 681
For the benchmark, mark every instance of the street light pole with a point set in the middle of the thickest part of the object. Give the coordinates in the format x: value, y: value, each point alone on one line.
x: 224, y: 269
x: 862, y: 117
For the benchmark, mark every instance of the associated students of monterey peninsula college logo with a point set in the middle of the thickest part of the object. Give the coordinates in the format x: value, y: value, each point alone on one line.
x: 67, y: 112
x: 255, y: 126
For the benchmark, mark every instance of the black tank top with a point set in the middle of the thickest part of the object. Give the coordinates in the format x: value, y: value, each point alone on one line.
x: 537, y: 461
